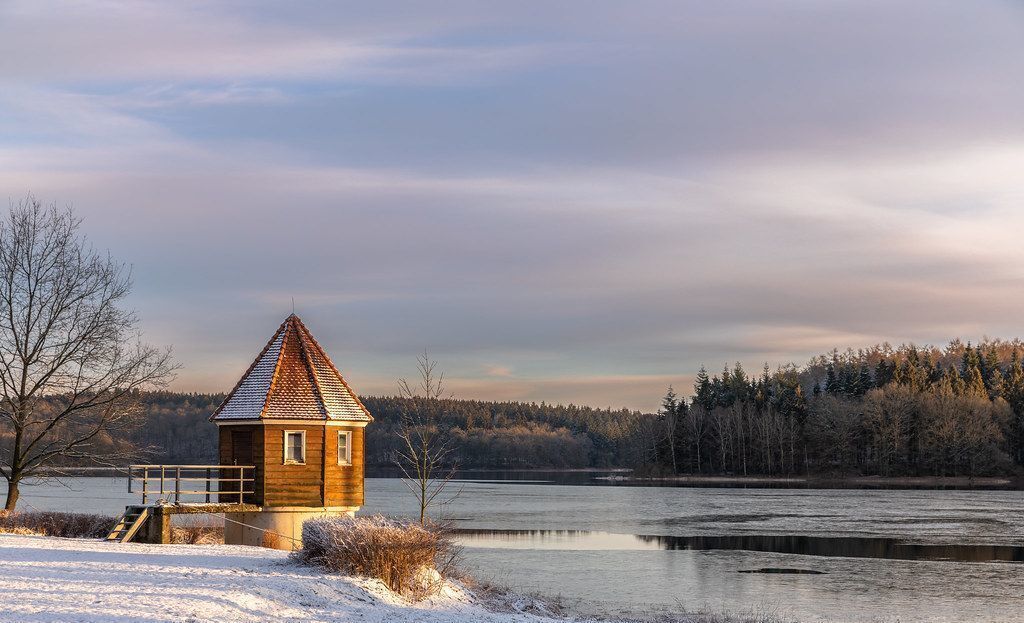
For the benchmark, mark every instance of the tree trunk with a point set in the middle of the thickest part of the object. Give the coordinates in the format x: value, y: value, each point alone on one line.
x: 672, y: 449
x: 12, y: 494
x: 672, y: 441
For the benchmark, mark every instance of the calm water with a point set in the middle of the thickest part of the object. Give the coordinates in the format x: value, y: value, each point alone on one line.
x: 839, y: 555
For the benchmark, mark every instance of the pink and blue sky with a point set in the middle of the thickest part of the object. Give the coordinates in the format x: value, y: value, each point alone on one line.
x: 564, y: 201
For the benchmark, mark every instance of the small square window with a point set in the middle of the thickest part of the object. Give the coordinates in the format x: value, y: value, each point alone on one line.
x: 344, y: 447
x: 295, y: 446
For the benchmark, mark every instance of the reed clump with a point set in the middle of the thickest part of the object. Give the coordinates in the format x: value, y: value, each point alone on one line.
x: 411, y: 559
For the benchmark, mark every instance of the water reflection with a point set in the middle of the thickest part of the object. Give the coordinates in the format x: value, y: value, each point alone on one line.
x: 847, y: 547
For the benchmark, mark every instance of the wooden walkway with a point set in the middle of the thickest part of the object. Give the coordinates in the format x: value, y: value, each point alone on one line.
x: 169, y: 490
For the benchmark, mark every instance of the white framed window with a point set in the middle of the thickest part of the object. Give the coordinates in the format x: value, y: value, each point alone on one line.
x: 295, y: 447
x: 344, y: 447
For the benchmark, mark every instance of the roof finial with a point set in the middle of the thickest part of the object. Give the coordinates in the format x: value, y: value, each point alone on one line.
x: 293, y: 305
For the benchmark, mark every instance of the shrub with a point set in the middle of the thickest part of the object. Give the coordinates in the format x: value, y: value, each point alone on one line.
x: 46, y: 523
x: 410, y: 559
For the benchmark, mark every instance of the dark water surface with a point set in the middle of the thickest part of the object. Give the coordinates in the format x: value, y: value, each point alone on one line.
x: 837, y: 555
x: 847, y: 547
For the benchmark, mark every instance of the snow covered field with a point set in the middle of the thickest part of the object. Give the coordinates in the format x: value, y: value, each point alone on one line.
x: 71, y: 580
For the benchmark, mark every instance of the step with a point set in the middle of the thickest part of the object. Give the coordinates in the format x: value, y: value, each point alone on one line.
x: 129, y: 524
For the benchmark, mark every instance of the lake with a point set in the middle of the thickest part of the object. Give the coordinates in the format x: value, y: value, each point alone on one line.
x: 839, y: 555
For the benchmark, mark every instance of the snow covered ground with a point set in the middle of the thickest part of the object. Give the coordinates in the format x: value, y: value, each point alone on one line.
x: 72, y: 580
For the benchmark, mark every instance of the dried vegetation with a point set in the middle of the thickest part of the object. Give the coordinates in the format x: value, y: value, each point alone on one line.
x: 45, y: 523
x: 410, y: 559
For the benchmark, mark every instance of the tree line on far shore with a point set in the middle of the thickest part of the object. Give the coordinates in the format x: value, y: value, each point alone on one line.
x: 921, y: 411
x: 174, y: 428
x: 905, y: 411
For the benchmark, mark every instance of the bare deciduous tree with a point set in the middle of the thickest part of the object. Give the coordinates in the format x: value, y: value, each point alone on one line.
x: 426, y: 455
x: 887, y: 416
x: 697, y: 424
x: 71, y: 359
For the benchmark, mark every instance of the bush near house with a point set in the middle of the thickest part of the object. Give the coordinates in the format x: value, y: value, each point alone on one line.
x: 409, y: 558
x: 67, y: 525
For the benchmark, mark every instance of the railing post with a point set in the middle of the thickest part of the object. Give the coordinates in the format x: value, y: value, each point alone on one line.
x: 161, y: 481
x: 145, y: 483
x: 177, y: 484
x: 129, y: 479
x: 207, y: 485
x: 241, y: 483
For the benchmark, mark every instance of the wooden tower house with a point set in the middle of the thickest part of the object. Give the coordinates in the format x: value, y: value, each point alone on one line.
x: 298, y: 423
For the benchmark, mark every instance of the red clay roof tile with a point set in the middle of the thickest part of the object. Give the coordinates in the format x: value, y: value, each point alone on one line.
x: 292, y: 378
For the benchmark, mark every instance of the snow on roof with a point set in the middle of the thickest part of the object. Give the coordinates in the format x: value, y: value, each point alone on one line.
x: 292, y: 378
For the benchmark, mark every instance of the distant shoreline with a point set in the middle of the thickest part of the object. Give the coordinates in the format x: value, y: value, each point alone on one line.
x: 624, y: 476
x: 1007, y: 483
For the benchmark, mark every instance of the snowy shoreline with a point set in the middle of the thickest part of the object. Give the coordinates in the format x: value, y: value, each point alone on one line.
x: 48, y: 579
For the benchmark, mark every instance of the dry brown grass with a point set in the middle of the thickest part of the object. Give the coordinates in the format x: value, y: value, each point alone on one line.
x: 195, y: 530
x: 498, y: 598
x: 197, y: 535
x: 67, y: 525
x: 270, y: 540
x: 410, y: 559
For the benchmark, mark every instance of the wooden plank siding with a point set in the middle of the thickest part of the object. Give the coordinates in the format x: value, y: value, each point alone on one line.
x: 344, y: 482
x: 292, y: 485
x: 321, y: 481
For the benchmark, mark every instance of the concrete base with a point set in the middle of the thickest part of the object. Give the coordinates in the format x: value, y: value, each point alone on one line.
x: 157, y: 528
x: 277, y: 528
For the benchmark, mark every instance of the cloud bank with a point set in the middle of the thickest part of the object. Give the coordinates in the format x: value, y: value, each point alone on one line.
x: 571, y: 203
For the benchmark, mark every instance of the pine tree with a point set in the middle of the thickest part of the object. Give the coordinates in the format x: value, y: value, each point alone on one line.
x: 670, y: 415
x: 975, y: 384
x: 995, y: 383
x: 864, y: 381
x: 931, y: 373
x: 991, y: 372
x: 831, y: 383
x: 968, y: 361
x: 1013, y: 392
x: 703, y: 393
x: 725, y: 396
x: 883, y: 372
x: 740, y: 386
x: 951, y: 383
x: 847, y: 380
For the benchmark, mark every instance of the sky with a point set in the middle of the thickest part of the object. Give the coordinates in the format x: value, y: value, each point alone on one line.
x: 562, y: 201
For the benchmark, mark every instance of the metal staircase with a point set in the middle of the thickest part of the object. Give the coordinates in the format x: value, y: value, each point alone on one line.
x: 128, y: 525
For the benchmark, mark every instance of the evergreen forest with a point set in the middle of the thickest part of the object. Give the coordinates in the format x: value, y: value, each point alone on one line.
x: 884, y: 410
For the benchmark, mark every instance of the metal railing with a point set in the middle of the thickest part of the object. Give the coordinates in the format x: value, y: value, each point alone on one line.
x: 230, y: 483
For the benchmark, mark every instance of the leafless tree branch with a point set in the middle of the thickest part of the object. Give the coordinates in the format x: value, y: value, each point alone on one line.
x: 72, y: 361
x: 425, y: 459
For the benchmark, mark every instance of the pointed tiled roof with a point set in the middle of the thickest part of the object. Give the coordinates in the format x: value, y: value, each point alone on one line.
x: 292, y: 378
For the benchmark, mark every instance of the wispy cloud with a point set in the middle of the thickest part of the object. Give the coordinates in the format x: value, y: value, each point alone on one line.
x: 497, y: 371
x: 115, y: 42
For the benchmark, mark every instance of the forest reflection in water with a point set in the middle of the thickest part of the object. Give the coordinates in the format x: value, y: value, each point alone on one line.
x: 845, y: 546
